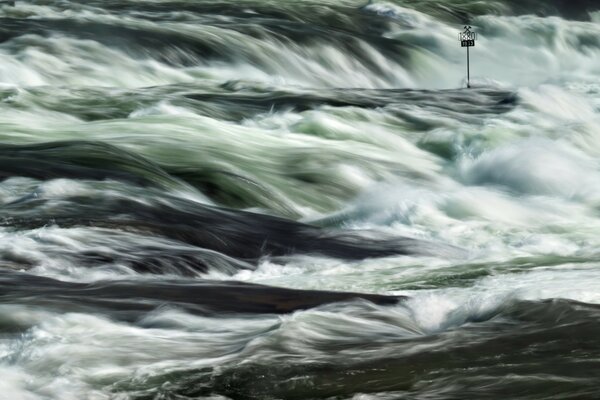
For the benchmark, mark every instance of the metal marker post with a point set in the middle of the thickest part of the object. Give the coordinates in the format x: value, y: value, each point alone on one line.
x: 467, y: 39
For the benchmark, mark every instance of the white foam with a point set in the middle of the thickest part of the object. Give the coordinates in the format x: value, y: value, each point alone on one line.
x: 451, y: 307
x: 537, y: 166
x: 74, y: 356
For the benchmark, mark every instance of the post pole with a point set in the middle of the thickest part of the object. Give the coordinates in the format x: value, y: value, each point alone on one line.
x: 467, y: 39
x: 468, y: 70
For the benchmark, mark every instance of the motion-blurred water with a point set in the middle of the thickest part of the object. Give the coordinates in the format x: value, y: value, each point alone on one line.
x: 168, y: 165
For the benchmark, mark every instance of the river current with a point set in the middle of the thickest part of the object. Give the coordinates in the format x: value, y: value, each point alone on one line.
x: 277, y: 199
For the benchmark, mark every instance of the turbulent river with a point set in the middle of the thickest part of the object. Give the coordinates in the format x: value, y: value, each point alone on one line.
x: 299, y: 199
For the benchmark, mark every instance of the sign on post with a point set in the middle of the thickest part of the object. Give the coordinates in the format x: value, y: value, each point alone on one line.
x: 467, y: 39
x: 467, y: 42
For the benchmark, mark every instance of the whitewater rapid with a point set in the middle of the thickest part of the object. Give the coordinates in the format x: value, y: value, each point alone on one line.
x: 150, y: 149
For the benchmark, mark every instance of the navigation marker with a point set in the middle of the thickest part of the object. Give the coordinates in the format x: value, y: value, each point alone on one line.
x: 467, y: 39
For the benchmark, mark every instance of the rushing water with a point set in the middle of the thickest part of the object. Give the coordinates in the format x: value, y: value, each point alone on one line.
x: 298, y: 199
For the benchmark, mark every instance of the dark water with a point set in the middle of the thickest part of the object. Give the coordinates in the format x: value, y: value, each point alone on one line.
x: 265, y: 199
